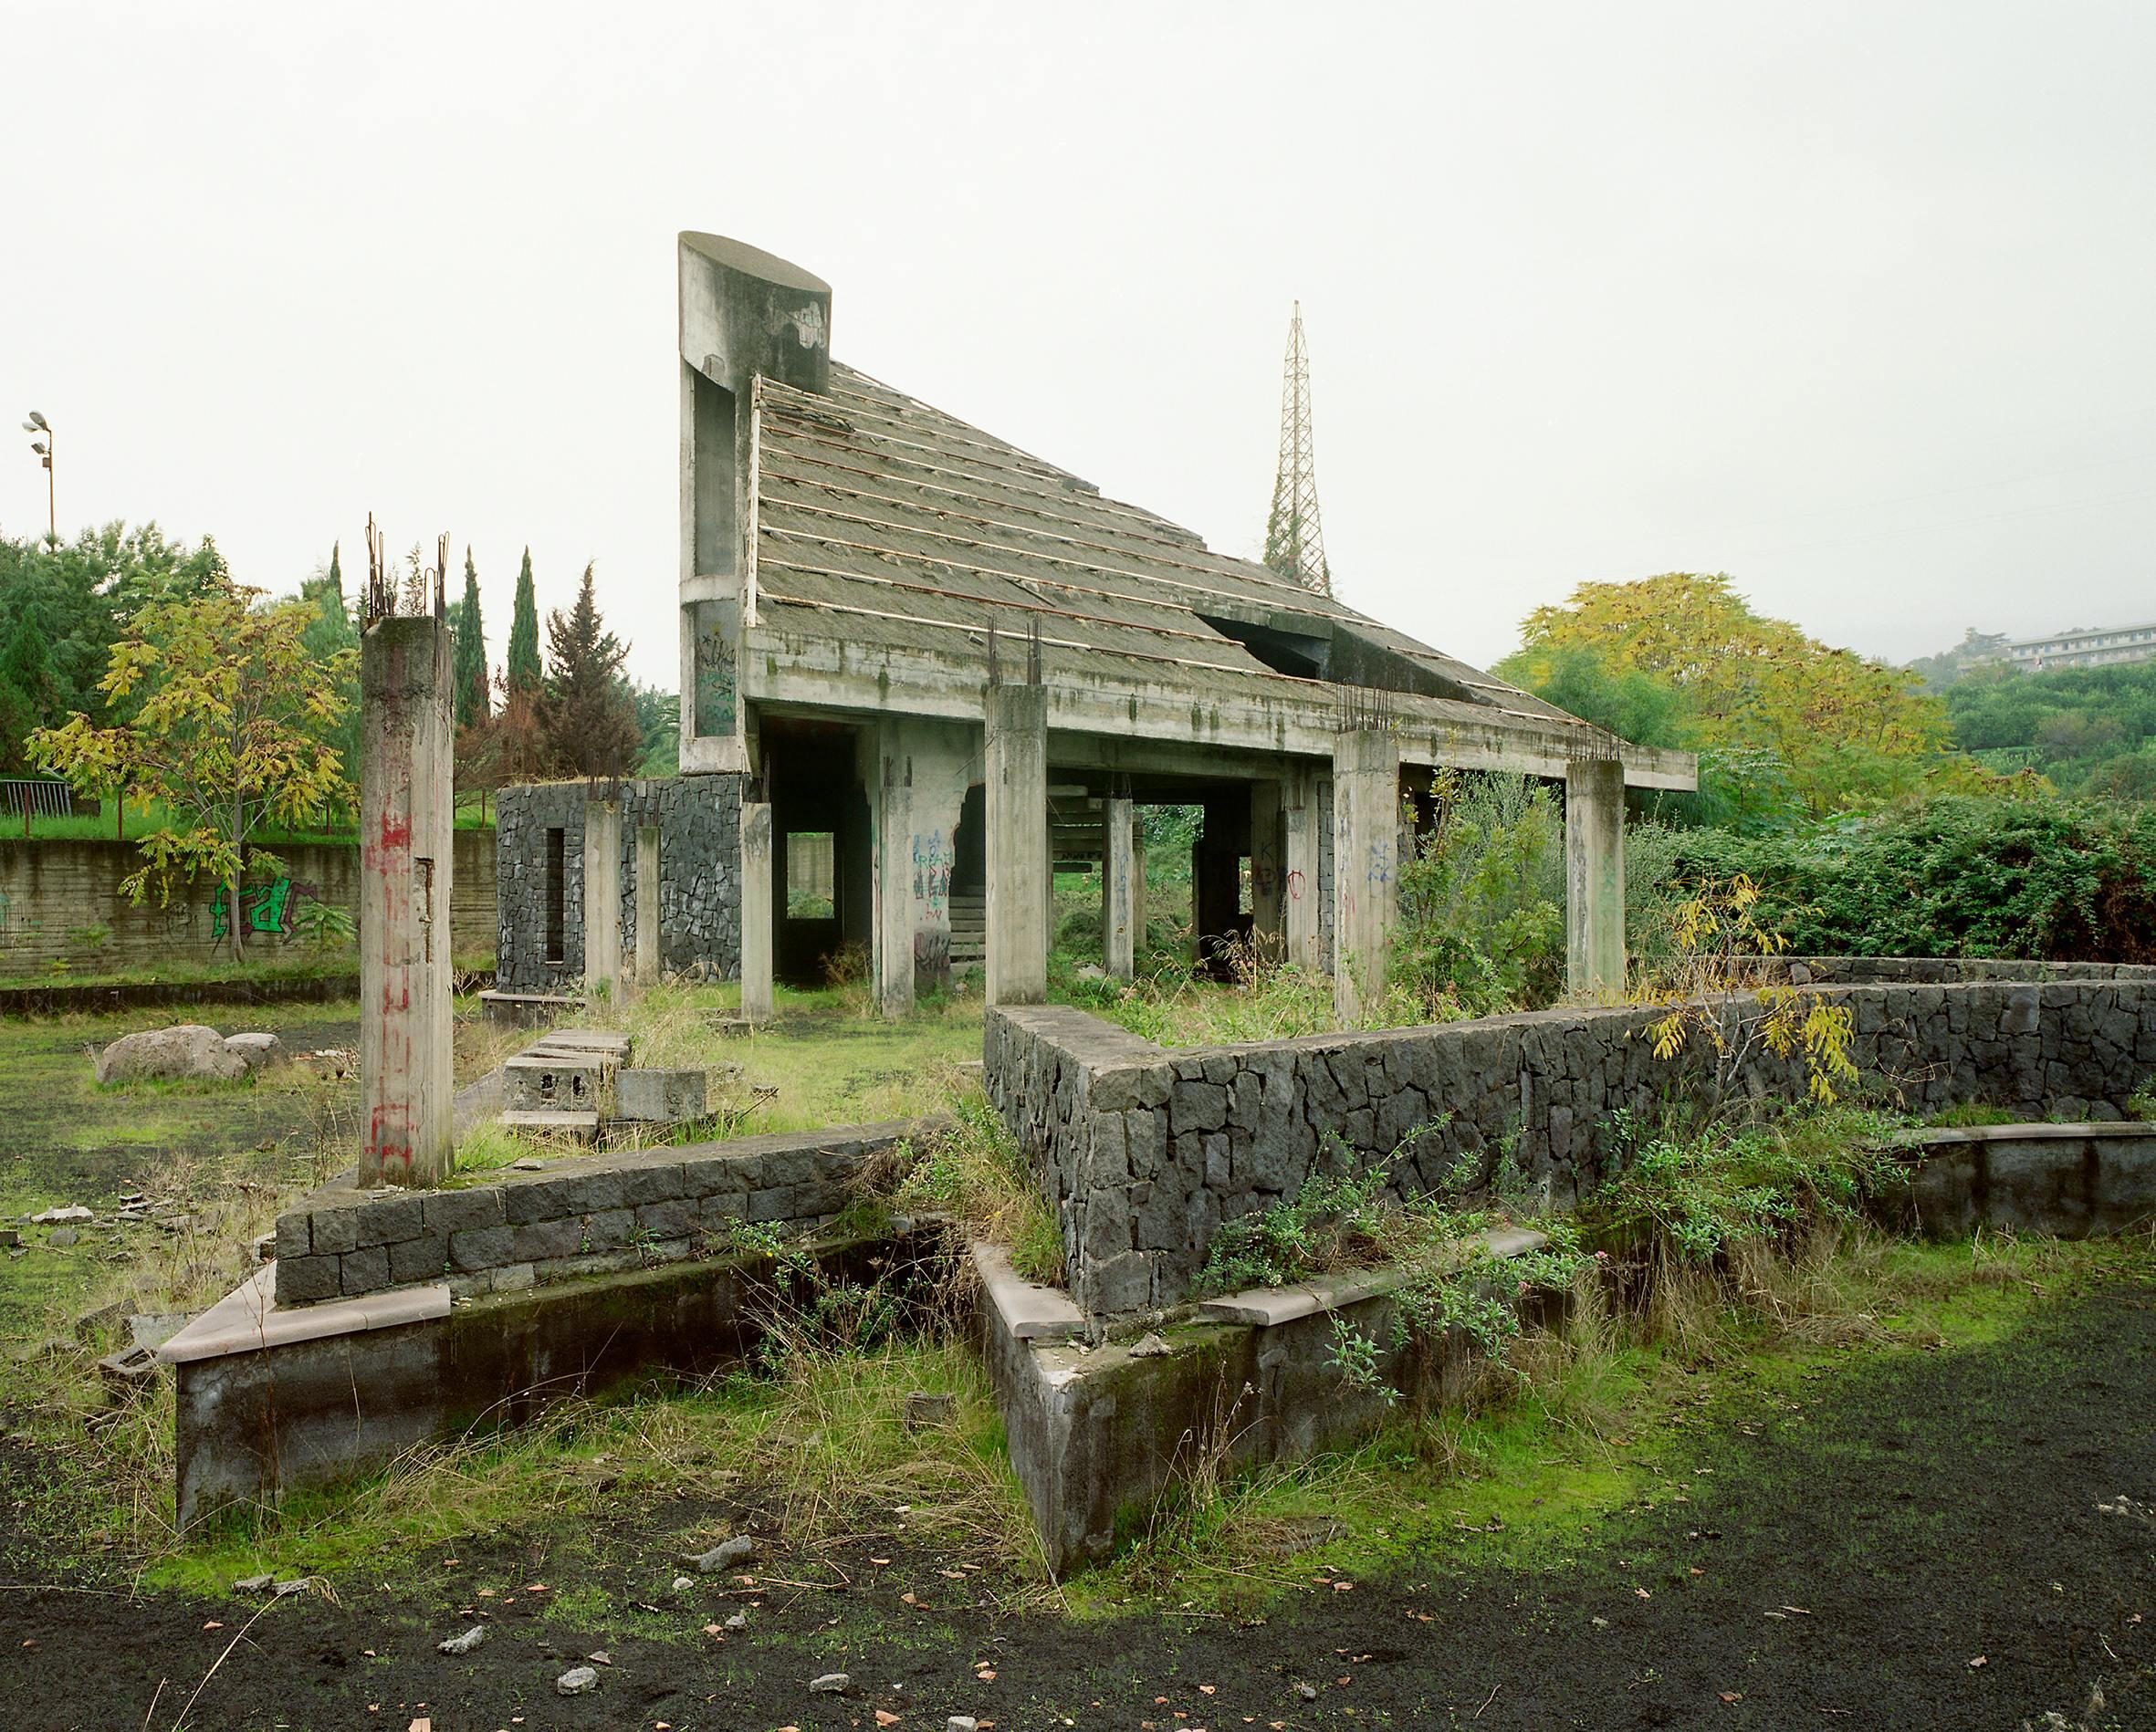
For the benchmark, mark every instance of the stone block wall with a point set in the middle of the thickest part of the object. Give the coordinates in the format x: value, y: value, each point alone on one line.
x: 699, y: 823
x: 1144, y: 1151
x: 60, y: 902
x: 573, y: 1217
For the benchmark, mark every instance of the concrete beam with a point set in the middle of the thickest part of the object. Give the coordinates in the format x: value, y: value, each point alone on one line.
x: 1138, y: 719
x: 407, y: 1102
x: 648, y: 964
x: 1019, y: 887
x: 1366, y: 860
x: 1121, y: 891
x: 602, y: 899
x: 1595, y: 879
x: 756, y: 912
x: 894, y: 925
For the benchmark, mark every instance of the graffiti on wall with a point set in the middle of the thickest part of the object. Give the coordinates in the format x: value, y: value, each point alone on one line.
x: 932, y: 873
x: 717, y: 633
x: 266, y: 910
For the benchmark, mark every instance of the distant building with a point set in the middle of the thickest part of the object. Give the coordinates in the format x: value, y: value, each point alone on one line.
x: 2097, y: 646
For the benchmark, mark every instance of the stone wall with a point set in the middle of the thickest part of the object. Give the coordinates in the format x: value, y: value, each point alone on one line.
x: 571, y: 1218
x: 1144, y: 1151
x: 60, y: 903
x: 699, y: 823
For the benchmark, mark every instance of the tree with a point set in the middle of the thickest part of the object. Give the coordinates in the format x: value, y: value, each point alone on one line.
x: 658, y: 718
x: 230, y: 722
x: 330, y: 634
x: 469, y: 668
x: 28, y: 686
x: 1850, y: 733
x: 588, y: 716
x: 523, y: 670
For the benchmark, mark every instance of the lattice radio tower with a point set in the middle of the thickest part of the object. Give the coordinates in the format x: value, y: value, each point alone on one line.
x: 1295, y: 539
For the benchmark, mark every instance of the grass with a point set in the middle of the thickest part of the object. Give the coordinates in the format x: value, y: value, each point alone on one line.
x: 1582, y: 1425
x: 826, y: 1059
x: 265, y: 967
x: 146, y: 816
x: 819, y: 1435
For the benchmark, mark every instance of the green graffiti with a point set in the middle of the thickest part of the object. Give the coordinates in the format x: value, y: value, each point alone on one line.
x: 265, y: 908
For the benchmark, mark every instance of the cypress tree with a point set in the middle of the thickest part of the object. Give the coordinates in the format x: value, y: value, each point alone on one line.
x: 524, y: 672
x: 588, y: 715
x: 469, y: 668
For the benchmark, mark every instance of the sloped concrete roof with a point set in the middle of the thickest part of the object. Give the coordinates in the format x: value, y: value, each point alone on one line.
x: 884, y: 527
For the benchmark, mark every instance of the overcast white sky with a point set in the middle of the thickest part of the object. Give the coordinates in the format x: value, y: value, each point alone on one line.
x: 1851, y: 301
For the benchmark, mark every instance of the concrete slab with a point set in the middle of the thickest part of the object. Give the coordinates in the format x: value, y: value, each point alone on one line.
x: 553, y: 1123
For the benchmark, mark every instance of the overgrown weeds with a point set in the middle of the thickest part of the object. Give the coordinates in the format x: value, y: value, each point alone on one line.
x: 975, y: 1175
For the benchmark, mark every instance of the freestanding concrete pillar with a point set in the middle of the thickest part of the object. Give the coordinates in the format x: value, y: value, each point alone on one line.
x: 602, y: 899
x: 1300, y: 843
x: 1268, y: 847
x: 1594, y: 879
x: 755, y: 911
x: 1122, y: 888
x: 892, y: 930
x: 648, y: 965
x: 1016, y: 809
x: 406, y: 830
x: 1366, y: 858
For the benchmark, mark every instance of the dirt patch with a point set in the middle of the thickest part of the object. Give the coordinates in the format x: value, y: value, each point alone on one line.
x: 1915, y: 1541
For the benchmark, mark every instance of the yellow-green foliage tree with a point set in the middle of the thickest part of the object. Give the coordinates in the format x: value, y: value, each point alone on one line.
x: 230, y: 719
x: 1850, y: 732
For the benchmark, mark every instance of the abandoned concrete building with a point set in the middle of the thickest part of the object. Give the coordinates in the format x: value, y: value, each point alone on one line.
x: 922, y: 670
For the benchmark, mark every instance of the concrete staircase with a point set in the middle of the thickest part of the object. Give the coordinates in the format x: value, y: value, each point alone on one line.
x: 970, y: 932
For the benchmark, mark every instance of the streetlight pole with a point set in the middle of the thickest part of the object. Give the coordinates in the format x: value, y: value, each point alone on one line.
x: 43, y: 447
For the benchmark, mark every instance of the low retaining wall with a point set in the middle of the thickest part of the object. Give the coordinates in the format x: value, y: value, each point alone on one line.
x: 269, y: 1400
x: 1946, y: 971
x: 571, y: 1218
x: 1144, y: 1151
x: 1097, y: 1432
x: 60, y: 904
x: 2069, y: 1180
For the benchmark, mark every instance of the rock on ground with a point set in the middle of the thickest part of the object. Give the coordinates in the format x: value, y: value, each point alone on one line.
x: 256, y: 1050
x: 181, y: 1053
x: 830, y: 1684
x: 578, y: 1681
x: 464, y: 1644
x: 724, y: 1555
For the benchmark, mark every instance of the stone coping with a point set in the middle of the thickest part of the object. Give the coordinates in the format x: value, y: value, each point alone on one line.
x: 248, y: 1319
x: 1268, y: 1307
x: 2034, y: 1130
x: 1031, y: 1312
x: 1028, y: 1310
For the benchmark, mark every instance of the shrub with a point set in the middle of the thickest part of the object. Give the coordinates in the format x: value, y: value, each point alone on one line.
x: 2053, y: 881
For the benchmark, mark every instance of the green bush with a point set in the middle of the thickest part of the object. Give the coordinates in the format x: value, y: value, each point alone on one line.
x: 2053, y: 881
x: 1482, y: 902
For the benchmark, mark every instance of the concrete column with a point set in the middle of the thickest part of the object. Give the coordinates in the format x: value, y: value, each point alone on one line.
x: 602, y: 899
x: 1019, y: 886
x: 406, y: 830
x: 648, y: 965
x: 1365, y: 856
x: 1137, y: 888
x: 1594, y: 879
x: 893, y: 929
x: 1299, y: 870
x: 1268, y: 846
x: 1122, y: 887
x: 755, y: 911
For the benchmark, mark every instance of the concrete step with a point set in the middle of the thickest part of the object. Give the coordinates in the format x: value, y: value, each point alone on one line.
x: 584, y: 1125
